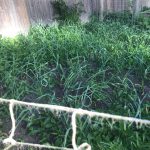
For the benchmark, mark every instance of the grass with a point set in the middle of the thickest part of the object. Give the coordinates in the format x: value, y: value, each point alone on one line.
x: 101, y: 66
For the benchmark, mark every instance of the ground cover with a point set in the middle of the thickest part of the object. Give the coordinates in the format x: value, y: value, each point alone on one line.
x: 101, y: 66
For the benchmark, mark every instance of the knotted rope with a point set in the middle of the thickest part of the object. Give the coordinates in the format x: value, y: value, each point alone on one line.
x: 11, y: 142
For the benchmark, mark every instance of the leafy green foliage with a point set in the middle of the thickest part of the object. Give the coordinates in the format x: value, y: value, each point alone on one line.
x: 140, y: 21
x: 145, y: 8
x: 66, y: 13
x: 124, y: 17
x: 101, y: 66
x: 143, y: 22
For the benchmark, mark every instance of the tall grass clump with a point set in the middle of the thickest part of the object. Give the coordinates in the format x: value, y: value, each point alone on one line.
x: 100, y: 66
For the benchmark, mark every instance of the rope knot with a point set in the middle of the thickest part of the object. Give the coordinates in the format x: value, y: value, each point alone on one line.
x: 84, y: 146
x: 9, y: 141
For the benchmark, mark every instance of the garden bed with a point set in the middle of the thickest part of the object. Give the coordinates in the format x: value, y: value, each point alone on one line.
x: 101, y: 66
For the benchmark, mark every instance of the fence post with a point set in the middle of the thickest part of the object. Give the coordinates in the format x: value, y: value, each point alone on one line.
x: 101, y: 15
x: 136, y: 7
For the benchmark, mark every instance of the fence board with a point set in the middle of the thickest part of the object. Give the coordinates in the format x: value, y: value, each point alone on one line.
x: 39, y: 10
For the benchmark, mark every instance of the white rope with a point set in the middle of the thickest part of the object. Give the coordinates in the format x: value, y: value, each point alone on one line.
x: 74, y: 132
x: 57, y: 108
x: 10, y: 139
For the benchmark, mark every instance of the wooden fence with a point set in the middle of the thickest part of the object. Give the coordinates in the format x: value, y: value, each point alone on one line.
x: 17, y: 15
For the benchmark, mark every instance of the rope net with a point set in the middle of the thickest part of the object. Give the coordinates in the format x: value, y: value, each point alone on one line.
x: 10, y: 141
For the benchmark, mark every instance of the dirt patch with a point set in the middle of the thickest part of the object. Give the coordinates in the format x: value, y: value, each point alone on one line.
x: 59, y: 91
x: 30, y: 97
x: 21, y: 134
x: 5, y: 127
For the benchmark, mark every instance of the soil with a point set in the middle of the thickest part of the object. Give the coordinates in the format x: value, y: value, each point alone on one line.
x: 21, y: 134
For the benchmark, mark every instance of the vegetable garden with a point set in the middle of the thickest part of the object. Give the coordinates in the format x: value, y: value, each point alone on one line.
x: 100, y: 66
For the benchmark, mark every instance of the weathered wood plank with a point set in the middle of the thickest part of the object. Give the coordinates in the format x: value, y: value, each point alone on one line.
x: 13, y: 17
x: 39, y: 11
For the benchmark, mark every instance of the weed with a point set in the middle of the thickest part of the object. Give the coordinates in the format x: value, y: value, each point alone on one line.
x: 66, y: 13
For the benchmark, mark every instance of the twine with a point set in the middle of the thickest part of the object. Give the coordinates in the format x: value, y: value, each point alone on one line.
x: 11, y: 142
